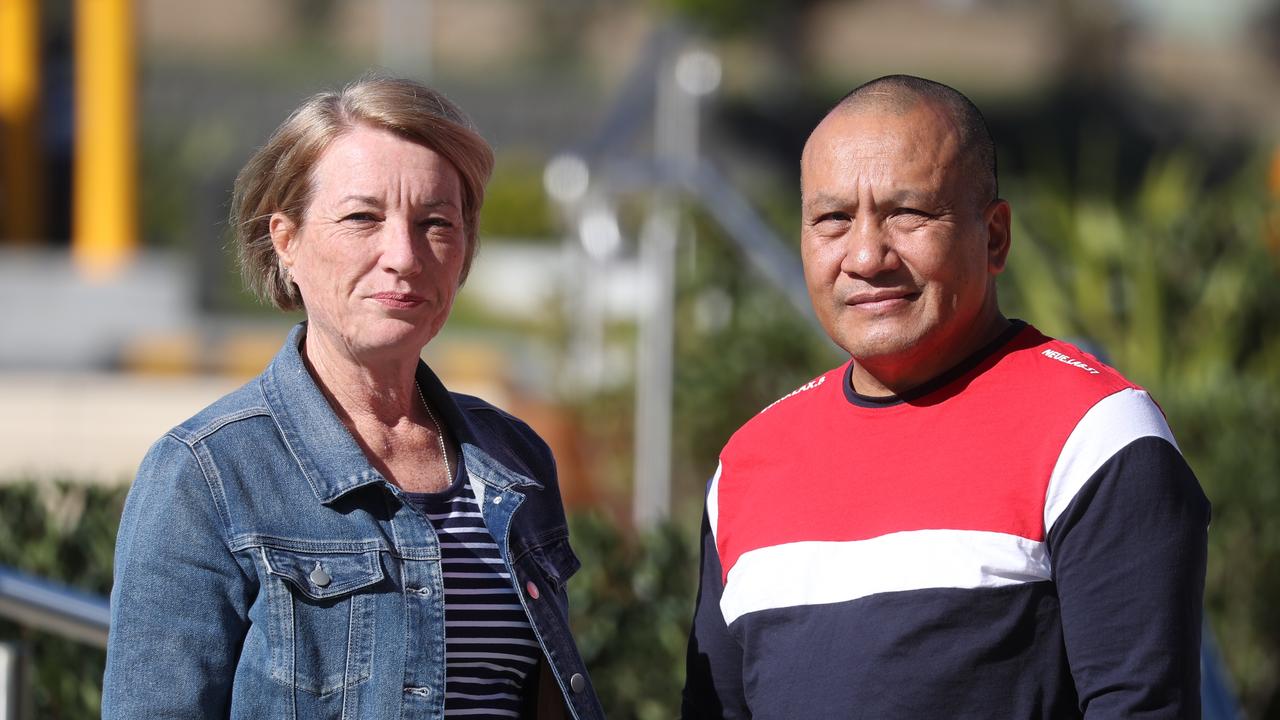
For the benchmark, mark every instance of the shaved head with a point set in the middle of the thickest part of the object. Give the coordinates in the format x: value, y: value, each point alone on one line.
x: 901, y: 94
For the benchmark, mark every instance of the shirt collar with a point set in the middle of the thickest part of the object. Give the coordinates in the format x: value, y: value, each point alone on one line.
x: 330, y: 459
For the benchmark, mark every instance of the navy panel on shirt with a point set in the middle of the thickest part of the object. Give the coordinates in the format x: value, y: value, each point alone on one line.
x: 910, y: 655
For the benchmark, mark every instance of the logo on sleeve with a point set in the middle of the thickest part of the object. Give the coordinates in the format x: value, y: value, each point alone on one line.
x: 807, y: 386
x: 1067, y: 359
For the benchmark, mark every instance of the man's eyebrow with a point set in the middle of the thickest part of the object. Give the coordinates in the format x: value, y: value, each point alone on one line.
x: 892, y: 198
x: 823, y: 200
x: 907, y: 196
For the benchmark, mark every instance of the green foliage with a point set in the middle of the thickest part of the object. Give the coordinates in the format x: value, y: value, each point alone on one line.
x: 61, y: 532
x: 630, y: 604
x: 515, y: 205
x: 1175, y: 285
x: 739, y: 347
x: 631, y: 601
x: 735, y: 17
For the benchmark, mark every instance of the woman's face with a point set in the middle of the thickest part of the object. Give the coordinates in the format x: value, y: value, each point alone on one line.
x: 379, y: 253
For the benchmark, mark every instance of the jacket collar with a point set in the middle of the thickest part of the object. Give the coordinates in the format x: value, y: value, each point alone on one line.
x: 329, y: 456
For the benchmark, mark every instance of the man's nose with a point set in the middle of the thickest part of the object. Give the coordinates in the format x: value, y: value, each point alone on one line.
x: 868, y: 248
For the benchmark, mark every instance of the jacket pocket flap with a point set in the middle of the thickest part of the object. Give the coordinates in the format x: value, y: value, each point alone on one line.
x: 557, y: 560
x: 324, y: 575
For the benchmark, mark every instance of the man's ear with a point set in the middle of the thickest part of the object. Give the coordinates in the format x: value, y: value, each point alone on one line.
x: 283, y: 231
x: 999, y: 232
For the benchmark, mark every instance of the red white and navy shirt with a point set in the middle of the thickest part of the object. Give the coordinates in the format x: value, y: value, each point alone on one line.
x: 1019, y: 538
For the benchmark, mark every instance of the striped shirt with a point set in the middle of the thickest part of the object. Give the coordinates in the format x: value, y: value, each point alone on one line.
x: 489, y: 646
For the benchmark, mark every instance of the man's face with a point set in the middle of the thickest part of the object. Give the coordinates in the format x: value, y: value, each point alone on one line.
x: 900, y: 248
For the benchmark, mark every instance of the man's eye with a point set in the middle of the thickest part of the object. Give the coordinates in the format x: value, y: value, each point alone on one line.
x: 915, y: 212
x: 833, y: 217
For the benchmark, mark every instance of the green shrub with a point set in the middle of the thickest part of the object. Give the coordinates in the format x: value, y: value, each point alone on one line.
x: 631, y: 604
x: 64, y: 532
x: 631, y: 601
x: 1177, y: 286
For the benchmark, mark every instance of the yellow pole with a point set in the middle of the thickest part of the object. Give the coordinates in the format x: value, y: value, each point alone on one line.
x: 104, y: 223
x: 21, y: 180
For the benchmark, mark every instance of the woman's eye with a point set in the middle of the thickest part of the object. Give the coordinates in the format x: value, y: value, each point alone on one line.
x: 436, y: 222
x: 359, y: 217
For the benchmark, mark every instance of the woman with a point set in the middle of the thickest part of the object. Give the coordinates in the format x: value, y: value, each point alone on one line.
x: 342, y: 537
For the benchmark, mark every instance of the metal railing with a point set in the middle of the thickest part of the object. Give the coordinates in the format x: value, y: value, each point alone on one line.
x: 52, y: 607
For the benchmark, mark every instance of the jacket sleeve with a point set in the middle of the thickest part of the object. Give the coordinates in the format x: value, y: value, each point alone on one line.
x: 1128, y: 557
x: 713, y: 666
x: 179, y: 599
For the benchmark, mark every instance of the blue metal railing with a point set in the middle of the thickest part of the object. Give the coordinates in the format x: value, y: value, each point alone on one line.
x: 53, y: 607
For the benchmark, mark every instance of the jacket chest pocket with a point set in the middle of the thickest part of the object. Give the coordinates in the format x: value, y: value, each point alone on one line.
x: 549, y: 567
x: 322, y: 617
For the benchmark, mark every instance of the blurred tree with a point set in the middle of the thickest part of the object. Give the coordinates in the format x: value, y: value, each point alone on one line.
x: 630, y: 605
x: 779, y: 19
x: 770, y: 121
x: 515, y: 204
x: 739, y: 347
x: 1175, y: 284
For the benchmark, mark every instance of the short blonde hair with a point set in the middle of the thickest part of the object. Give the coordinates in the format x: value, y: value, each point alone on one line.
x: 278, y: 176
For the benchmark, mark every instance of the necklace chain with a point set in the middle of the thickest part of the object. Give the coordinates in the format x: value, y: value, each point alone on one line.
x: 448, y: 471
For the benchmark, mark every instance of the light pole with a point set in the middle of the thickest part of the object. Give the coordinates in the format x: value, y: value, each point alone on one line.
x: 693, y: 74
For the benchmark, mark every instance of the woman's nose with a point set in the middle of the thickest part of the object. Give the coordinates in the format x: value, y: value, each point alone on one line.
x: 400, y: 248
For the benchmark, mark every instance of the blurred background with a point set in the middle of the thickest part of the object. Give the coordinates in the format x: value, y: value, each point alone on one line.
x: 637, y: 293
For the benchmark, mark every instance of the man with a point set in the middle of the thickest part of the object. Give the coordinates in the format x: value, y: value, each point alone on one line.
x: 967, y: 520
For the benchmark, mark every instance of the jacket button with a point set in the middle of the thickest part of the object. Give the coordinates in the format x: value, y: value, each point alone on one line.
x: 578, y: 683
x: 531, y: 589
x: 319, y: 577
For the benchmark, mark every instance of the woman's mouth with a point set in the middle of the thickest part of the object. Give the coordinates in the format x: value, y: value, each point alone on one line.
x: 398, y: 300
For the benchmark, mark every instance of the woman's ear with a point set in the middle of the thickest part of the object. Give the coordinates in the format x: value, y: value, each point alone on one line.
x: 283, y: 231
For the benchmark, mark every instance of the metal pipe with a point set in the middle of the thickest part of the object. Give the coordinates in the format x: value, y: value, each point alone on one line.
x: 675, y: 145
x: 10, y: 680
x: 770, y: 255
x: 54, y: 608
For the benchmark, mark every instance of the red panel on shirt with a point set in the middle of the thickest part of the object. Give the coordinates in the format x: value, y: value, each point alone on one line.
x: 974, y: 455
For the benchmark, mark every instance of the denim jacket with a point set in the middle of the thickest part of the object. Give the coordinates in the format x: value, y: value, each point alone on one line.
x: 218, y: 609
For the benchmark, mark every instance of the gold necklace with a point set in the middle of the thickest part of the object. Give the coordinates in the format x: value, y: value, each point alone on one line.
x: 448, y: 472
